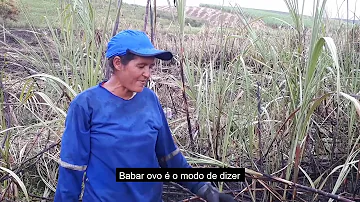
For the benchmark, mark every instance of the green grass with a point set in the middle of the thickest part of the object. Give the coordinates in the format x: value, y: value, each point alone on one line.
x: 273, y: 18
x: 36, y: 11
x: 270, y: 18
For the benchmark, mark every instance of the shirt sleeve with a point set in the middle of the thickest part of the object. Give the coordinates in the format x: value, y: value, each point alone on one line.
x: 169, y: 155
x: 74, y: 154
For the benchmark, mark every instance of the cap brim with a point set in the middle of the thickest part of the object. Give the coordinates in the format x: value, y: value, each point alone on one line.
x: 152, y: 52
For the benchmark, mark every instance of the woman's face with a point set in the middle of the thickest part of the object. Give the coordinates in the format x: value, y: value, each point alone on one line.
x: 136, y: 73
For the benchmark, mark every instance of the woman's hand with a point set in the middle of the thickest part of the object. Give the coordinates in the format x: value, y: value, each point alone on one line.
x: 211, y: 194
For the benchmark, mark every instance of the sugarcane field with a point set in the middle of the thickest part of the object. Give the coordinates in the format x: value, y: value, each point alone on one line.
x: 274, y: 93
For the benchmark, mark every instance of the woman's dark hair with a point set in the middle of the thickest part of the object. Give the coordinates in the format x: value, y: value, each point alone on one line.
x: 125, y: 59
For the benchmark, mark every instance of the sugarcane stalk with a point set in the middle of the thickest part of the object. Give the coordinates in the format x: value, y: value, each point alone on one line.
x: 292, y: 184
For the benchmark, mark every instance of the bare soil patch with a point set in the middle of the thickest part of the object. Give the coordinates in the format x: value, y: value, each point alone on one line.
x: 211, y: 16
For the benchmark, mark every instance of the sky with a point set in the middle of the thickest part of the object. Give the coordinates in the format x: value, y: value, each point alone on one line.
x: 332, y: 6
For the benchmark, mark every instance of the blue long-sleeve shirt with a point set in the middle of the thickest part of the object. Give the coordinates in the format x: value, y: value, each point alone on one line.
x: 104, y: 132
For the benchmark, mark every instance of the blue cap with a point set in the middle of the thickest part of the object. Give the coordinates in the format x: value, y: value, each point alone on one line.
x: 136, y: 42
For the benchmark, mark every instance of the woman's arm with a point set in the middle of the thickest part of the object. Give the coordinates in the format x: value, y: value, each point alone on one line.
x: 169, y: 155
x: 74, y: 154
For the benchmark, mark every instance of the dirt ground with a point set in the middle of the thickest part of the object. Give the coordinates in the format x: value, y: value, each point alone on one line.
x: 11, y: 50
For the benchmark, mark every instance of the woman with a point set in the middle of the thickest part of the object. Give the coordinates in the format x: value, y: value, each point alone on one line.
x: 119, y: 123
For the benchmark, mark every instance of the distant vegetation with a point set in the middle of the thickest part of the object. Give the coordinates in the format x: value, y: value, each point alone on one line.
x: 39, y: 11
x: 270, y: 18
x: 8, y: 10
